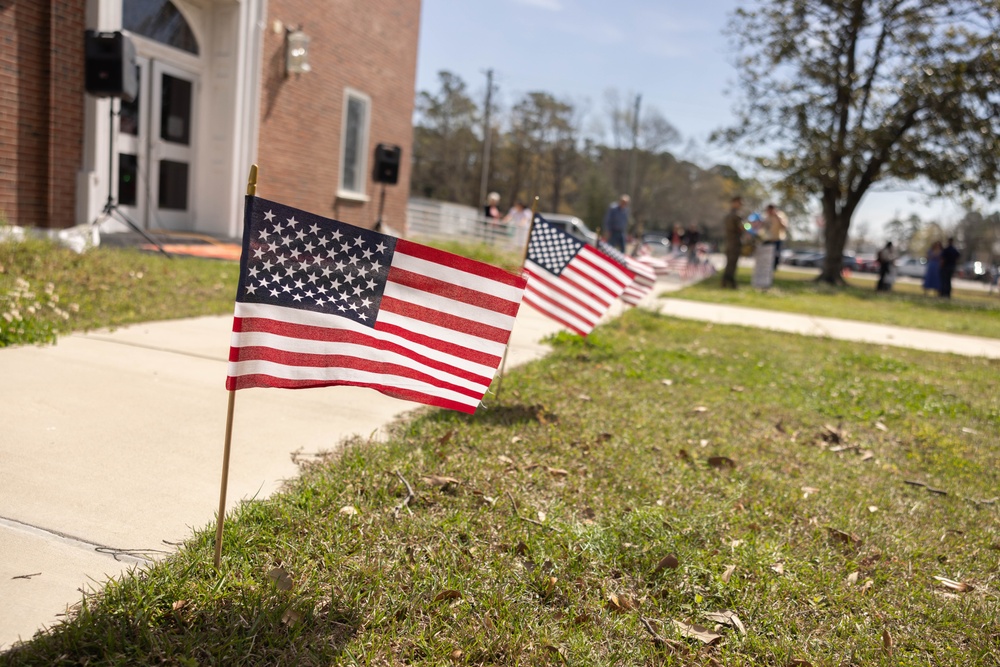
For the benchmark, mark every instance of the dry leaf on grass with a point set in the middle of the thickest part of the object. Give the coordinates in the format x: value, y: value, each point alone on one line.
x: 728, y: 574
x: 281, y: 578
x: 291, y: 617
x: 832, y: 434
x: 721, y: 462
x: 780, y: 426
x: 699, y: 409
x: 808, y: 491
x: 867, y: 586
x: 667, y: 562
x: 683, y: 455
x: 444, y: 439
x: 695, y: 631
x: 667, y: 383
x: 872, y: 509
x: 880, y: 426
x: 779, y: 568
x: 621, y: 602
x: 349, y: 510
x: 852, y: 578
x: 887, y: 641
x: 541, y: 516
x: 799, y: 662
x: 457, y: 654
x: 447, y: 594
x: 737, y: 388
x: 867, y: 455
x: 849, y: 539
x: 584, y: 397
x: 966, y: 429
x: 558, y: 472
x: 959, y: 586
x: 440, y: 481
x: 727, y: 618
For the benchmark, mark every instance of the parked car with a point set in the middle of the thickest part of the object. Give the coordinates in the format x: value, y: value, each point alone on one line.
x: 914, y: 267
x: 572, y: 225
x: 803, y: 257
x: 814, y: 259
x: 658, y: 245
x: 972, y: 271
x: 867, y: 262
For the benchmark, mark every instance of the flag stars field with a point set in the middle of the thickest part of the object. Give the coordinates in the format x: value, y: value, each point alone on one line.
x: 332, y: 304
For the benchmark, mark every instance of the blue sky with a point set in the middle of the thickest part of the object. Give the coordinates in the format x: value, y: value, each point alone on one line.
x: 672, y: 52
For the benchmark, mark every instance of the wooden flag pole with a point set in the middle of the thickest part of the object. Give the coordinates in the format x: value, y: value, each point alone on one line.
x: 251, y: 191
x: 524, y: 257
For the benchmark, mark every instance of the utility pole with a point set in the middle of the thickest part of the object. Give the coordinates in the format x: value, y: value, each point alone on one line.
x: 487, y: 140
x: 635, y: 146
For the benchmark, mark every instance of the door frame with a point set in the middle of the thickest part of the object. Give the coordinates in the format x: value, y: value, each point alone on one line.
x: 156, y: 59
x: 162, y: 149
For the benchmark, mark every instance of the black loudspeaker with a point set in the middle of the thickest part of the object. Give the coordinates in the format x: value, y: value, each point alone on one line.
x: 110, y: 67
x: 387, y: 159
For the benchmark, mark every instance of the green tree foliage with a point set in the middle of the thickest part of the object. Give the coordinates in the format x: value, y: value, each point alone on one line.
x: 446, y: 147
x: 539, y: 148
x: 838, y: 95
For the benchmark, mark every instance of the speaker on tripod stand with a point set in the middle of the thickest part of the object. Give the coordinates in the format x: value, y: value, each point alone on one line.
x: 386, y: 171
x: 110, y: 70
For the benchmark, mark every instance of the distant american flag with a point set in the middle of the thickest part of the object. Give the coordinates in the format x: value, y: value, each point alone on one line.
x: 324, y: 303
x: 570, y: 281
x: 645, y: 277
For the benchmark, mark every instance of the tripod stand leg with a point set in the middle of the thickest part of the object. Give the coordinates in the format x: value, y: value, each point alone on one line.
x: 113, y: 210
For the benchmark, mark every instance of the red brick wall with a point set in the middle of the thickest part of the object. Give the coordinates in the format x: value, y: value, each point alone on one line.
x: 369, y: 46
x: 41, y: 110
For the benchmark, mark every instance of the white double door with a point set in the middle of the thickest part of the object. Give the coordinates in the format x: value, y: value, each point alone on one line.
x: 156, y: 148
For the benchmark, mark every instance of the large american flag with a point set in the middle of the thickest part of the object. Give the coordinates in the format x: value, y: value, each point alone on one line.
x: 570, y: 281
x: 645, y: 277
x: 322, y: 303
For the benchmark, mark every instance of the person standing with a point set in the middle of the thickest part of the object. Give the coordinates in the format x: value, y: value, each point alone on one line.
x: 491, y: 216
x: 616, y: 222
x: 886, y: 260
x: 518, y: 220
x: 949, y: 260
x: 932, y: 274
x: 732, y: 226
x: 775, y: 229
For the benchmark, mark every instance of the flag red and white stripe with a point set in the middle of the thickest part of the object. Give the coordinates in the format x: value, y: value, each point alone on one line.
x: 645, y: 277
x: 572, y: 282
x: 323, y: 303
x: 643, y: 284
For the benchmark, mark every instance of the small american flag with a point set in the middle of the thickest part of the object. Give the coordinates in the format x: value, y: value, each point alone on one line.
x: 324, y: 303
x: 570, y: 281
x: 645, y: 277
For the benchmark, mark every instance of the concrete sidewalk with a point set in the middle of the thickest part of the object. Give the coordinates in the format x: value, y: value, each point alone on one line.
x: 111, y: 450
x: 829, y: 327
x: 111, y: 447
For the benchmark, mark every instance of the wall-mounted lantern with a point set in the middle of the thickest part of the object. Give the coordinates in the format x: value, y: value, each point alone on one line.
x: 296, y: 52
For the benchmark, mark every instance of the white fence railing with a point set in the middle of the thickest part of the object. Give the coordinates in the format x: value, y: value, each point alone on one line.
x: 429, y: 219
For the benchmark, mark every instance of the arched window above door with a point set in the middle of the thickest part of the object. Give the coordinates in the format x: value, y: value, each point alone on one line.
x: 161, y: 21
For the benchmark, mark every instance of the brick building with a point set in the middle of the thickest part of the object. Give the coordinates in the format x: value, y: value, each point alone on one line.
x: 217, y: 92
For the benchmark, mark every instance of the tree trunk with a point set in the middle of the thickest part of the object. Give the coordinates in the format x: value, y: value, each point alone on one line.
x: 837, y: 222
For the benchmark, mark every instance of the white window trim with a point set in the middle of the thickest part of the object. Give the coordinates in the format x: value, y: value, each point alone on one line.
x: 342, y: 193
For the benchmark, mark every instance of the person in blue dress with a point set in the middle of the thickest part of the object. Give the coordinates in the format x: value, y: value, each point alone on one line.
x: 932, y: 274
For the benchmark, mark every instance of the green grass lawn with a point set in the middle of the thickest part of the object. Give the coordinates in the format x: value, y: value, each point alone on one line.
x: 839, y: 499
x: 46, y: 290
x: 103, y: 287
x: 968, y: 312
